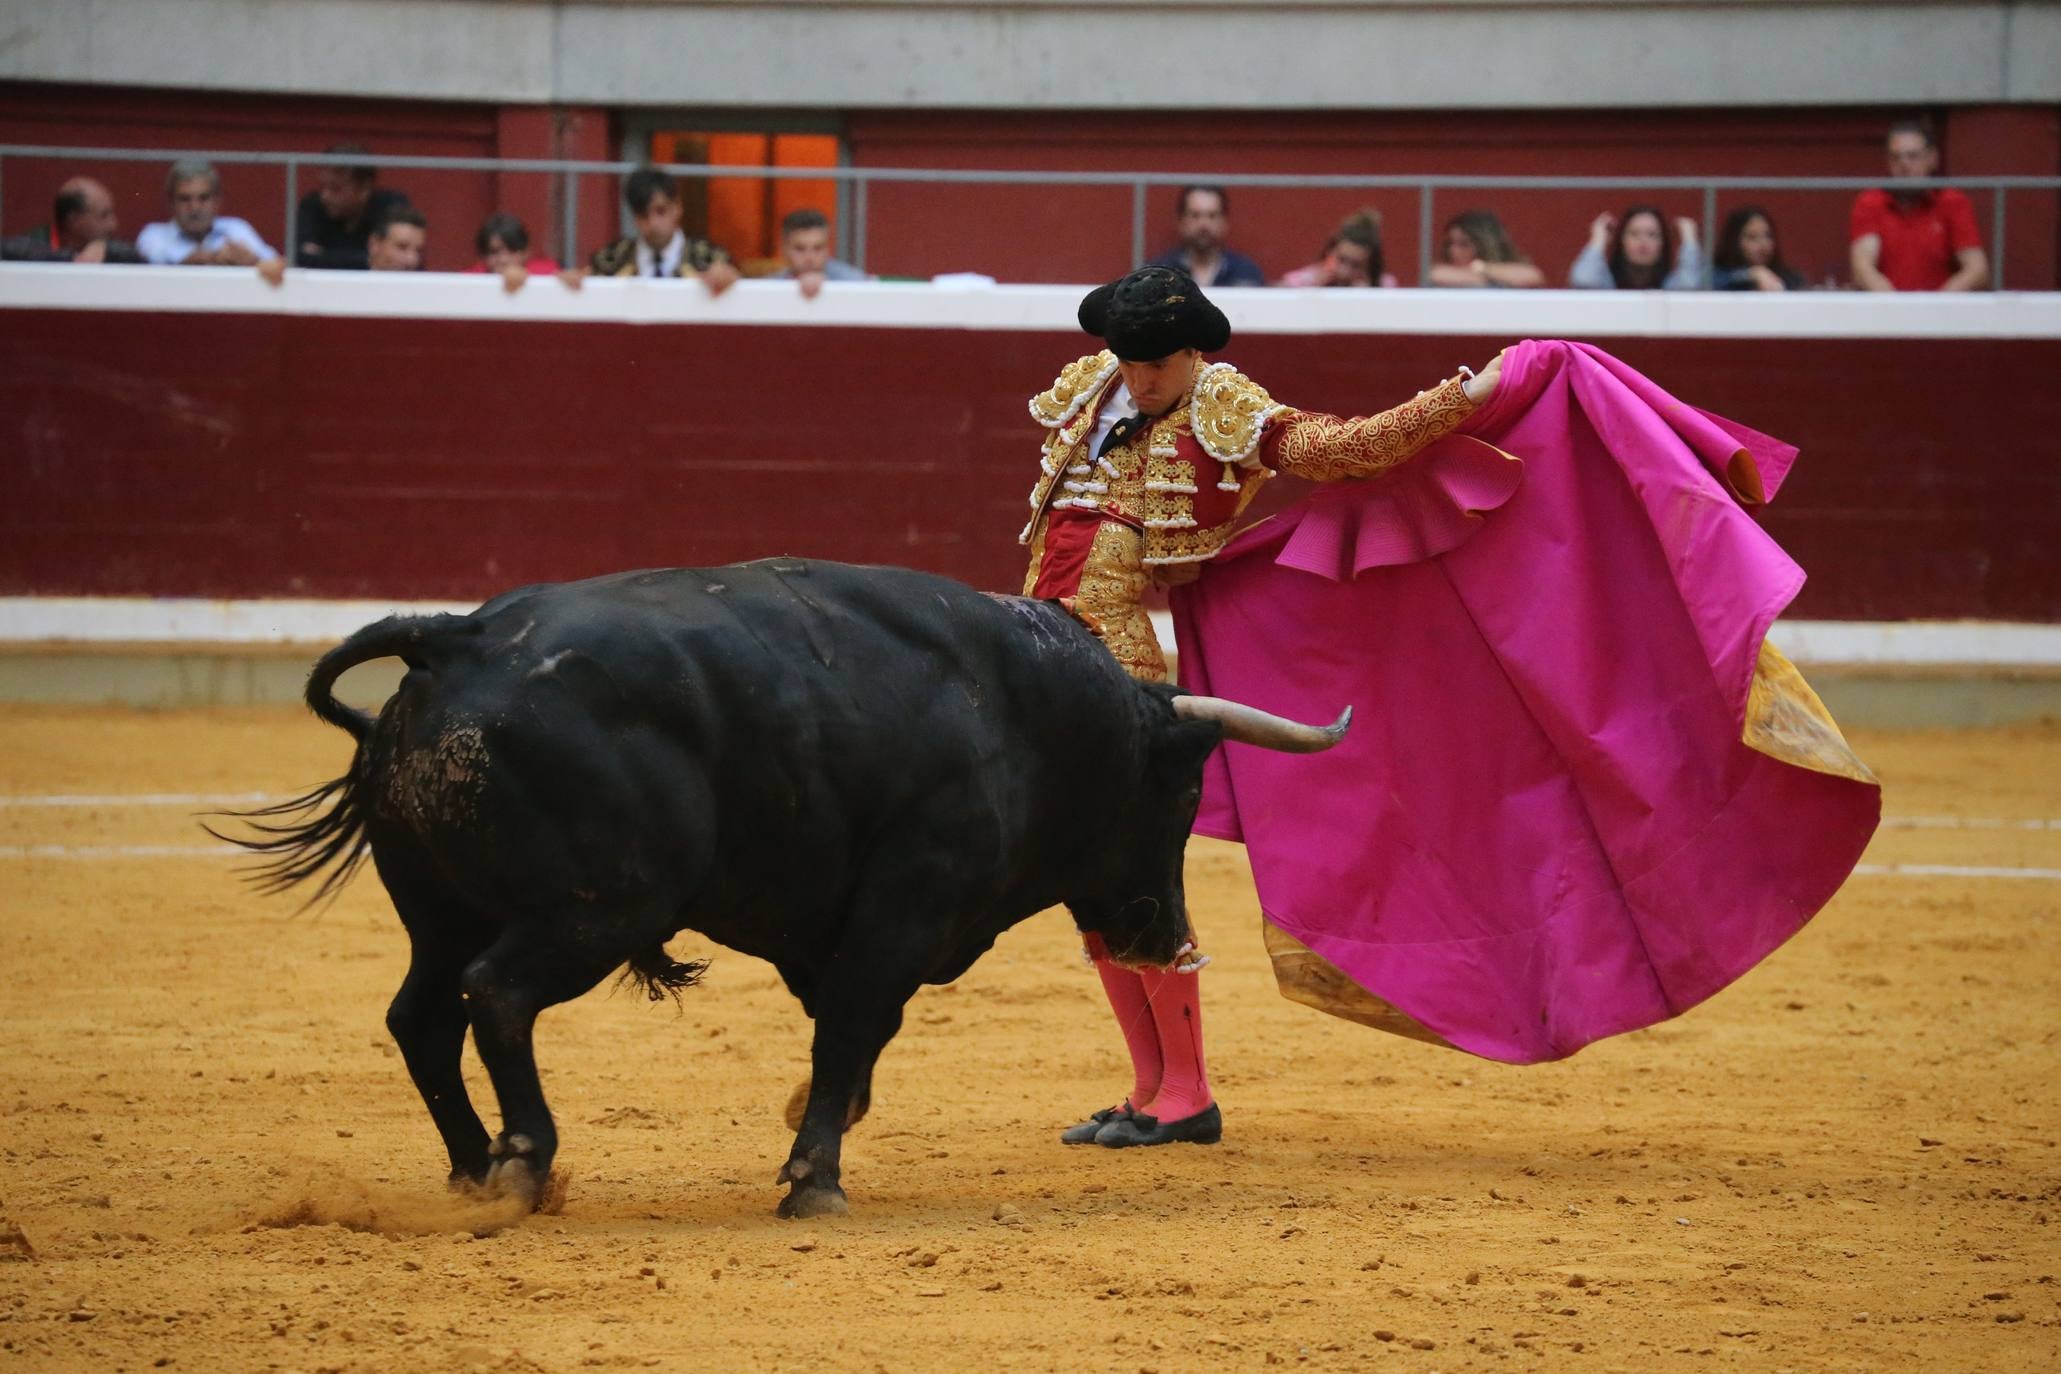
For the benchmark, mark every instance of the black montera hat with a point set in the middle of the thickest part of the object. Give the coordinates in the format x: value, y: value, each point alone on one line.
x: 1153, y: 312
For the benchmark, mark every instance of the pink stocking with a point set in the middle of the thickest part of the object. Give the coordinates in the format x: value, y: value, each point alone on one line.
x: 1127, y: 998
x: 1176, y: 1002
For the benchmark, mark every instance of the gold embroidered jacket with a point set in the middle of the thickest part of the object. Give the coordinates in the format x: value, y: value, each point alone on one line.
x: 1207, y: 458
x: 619, y: 259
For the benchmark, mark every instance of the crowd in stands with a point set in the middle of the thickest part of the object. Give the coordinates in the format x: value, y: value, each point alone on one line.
x: 1901, y: 238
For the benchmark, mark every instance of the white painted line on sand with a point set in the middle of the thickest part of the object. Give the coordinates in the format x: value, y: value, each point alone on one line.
x: 1952, y: 871
x: 1968, y: 823
x: 145, y: 799
x: 120, y: 851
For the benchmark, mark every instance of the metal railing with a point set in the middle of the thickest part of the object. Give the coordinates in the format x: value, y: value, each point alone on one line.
x: 861, y: 178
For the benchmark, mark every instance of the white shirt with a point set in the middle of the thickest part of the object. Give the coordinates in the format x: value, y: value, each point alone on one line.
x: 1116, y: 406
x: 668, y: 261
x: 165, y: 243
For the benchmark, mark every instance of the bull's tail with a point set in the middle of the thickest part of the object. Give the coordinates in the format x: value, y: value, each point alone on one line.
x: 661, y: 975
x: 417, y: 640
x: 324, y: 828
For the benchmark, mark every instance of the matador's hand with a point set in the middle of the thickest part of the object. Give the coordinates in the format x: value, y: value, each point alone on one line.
x: 1482, y: 384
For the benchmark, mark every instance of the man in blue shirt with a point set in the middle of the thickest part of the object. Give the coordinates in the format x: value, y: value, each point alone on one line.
x: 1203, y: 221
x: 196, y: 234
x: 805, y: 249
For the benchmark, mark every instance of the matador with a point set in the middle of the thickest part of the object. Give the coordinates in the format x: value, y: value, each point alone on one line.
x: 1150, y: 457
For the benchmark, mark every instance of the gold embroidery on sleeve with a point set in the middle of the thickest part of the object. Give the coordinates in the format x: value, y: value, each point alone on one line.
x: 1325, y: 448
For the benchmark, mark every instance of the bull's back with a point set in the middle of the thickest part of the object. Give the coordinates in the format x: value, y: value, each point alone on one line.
x: 777, y: 634
x: 785, y: 715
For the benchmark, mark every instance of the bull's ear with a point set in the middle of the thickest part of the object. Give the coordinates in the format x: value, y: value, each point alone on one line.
x: 1179, y: 748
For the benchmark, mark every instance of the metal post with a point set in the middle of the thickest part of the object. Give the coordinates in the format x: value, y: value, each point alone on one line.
x: 859, y: 224
x: 293, y: 205
x: 1709, y: 226
x: 1424, y: 194
x: 1137, y: 222
x: 1996, y: 257
x: 569, y: 223
x: 842, y: 209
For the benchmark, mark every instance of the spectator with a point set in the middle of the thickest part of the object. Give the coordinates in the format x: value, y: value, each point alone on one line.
x: 1477, y: 252
x: 81, y: 229
x: 334, y: 222
x: 397, y: 242
x: 503, y: 246
x: 1352, y: 256
x: 660, y: 248
x: 1914, y: 239
x: 805, y: 245
x: 1203, y: 221
x: 1632, y: 253
x: 1748, y: 257
x: 196, y: 234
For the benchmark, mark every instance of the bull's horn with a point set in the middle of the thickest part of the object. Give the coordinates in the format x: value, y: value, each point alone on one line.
x: 1250, y: 725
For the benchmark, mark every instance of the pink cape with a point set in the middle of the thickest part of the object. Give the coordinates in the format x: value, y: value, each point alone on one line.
x: 1544, y: 827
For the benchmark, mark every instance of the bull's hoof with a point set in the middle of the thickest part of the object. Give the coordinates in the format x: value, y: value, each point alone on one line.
x: 804, y: 1202
x: 515, y: 1178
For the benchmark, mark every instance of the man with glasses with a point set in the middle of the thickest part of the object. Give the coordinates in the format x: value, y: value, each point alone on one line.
x: 1913, y: 238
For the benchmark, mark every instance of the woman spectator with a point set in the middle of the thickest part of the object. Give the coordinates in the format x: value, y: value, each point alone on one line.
x: 1352, y: 256
x: 503, y: 245
x: 1632, y: 253
x: 1477, y: 252
x: 1748, y: 256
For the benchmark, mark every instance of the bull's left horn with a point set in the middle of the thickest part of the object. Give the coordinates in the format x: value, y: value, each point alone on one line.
x: 1250, y: 725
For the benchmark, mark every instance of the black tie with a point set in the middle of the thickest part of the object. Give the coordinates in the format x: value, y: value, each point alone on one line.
x: 1120, y: 433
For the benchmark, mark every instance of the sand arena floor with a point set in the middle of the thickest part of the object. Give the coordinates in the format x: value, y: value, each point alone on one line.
x: 213, y: 1159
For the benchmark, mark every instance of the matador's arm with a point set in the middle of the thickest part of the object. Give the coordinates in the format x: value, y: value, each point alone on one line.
x: 1325, y: 448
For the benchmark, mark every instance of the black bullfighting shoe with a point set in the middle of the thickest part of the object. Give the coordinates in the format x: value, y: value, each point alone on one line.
x: 1206, y: 1127
x: 1087, y: 1131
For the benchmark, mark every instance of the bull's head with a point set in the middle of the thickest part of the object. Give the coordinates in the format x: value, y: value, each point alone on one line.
x: 1145, y: 920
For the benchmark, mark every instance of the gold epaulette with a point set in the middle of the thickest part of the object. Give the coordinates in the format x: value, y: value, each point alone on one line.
x: 1230, y: 412
x: 1077, y: 384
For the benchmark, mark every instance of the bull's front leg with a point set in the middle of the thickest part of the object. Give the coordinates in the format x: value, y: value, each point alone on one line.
x: 850, y: 1034
x: 879, y: 963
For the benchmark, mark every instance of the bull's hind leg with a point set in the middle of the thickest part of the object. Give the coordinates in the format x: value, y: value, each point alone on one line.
x: 427, y: 1018
x: 531, y: 967
x: 428, y: 1022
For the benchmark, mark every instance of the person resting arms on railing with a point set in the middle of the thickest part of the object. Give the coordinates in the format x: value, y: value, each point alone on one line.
x: 1748, y: 256
x: 81, y: 229
x: 805, y: 253
x: 1477, y: 251
x: 1352, y: 256
x: 503, y: 246
x: 660, y: 248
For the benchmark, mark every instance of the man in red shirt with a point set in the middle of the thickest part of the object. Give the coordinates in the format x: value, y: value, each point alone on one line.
x: 1916, y: 240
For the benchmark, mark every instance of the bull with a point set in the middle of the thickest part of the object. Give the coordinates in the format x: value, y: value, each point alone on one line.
x: 861, y: 775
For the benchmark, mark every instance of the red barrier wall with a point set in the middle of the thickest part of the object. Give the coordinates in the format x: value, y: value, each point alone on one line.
x: 266, y: 455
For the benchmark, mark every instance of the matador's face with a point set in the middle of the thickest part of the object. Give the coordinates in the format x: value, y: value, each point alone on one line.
x: 1158, y: 386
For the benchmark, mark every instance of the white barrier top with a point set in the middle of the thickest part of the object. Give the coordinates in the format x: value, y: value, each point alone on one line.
x: 896, y: 305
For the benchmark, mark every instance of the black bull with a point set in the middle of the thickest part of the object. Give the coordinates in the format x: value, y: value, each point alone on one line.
x: 861, y: 775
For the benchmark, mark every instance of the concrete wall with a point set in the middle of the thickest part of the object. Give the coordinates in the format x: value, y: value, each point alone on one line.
x: 1048, y: 54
